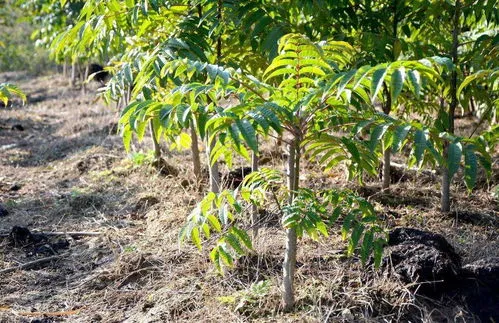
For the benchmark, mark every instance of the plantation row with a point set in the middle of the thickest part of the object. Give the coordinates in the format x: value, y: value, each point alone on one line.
x: 339, y: 82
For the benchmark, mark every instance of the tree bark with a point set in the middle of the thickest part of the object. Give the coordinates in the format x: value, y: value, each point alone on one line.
x: 446, y: 180
x: 65, y: 68
x: 156, y: 146
x: 214, y: 174
x: 289, y: 265
x: 196, y: 160
x: 84, y: 79
x: 73, y: 74
x: 387, y: 152
x: 387, y: 107
x: 254, y: 208
x: 445, y: 190
x: 386, y: 167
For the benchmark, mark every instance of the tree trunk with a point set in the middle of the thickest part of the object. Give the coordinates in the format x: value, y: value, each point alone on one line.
x: 446, y: 180
x: 214, y: 174
x: 156, y: 146
x: 254, y: 208
x: 445, y: 190
x: 386, y: 167
x: 196, y: 160
x: 65, y: 68
x: 84, y: 80
x: 73, y: 74
x: 387, y: 152
x: 289, y: 265
x: 387, y: 106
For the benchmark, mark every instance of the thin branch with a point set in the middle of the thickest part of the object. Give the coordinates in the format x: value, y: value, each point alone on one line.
x: 30, y: 264
x: 72, y: 234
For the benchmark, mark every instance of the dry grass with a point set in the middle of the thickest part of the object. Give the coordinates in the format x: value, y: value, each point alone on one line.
x: 74, y: 175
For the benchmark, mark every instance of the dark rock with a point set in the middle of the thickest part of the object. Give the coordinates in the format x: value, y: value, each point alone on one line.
x: 185, y: 183
x: 17, y: 127
x: 3, y: 211
x: 418, y: 256
x: 480, y: 288
x: 15, y: 187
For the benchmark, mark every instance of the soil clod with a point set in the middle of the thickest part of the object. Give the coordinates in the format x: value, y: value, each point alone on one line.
x: 235, y: 177
x: 3, y: 211
x: 480, y: 288
x: 423, y: 258
x: 35, y: 243
x: 164, y: 168
x: 17, y: 127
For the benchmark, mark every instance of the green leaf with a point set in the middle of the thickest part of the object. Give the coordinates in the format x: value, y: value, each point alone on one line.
x: 397, y: 83
x: 347, y: 223
x: 321, y: 227
x: 378, y: 252
x: 377, y: 82
x: 243, y: 236
x: 344, y: 81
x: 420, y: 145
x: 226, y: 257
x: 195, y: 237
x: 233, y: 241
x: 127, y: 137
x: 400, y: 136
x: 214, y: 222
x: 248, y: 133
x: 355, y: 238
x: 415, y: 80
x: 470, y: 166
x: 376, y: 135
x: 215, y: 258
x: 454, y: 153
x: 367, y: 246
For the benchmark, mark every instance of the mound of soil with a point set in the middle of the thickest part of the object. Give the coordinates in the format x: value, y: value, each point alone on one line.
x: 423, y: 258
x: 480, y: 288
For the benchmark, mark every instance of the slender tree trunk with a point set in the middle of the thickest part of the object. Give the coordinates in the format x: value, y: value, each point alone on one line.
x: 387, y: 152
x: 65, y: 68
x: 156, y: 146
x: 387, y: 106
x: 196, y: 160
x: 289, y: 265
x: 386, y: 167
x: 128, y: 95
x: 73, y: 74
x: 214, y: 174
x: 446, y: 180
x: 213, y: 167
x: 84, y: 80
x: 254, y: 208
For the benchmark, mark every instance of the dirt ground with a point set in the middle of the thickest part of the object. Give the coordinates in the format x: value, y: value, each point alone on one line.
x: 63, y: 168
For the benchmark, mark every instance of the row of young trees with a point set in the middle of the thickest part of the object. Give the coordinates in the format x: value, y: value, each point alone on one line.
x: 319, y: 74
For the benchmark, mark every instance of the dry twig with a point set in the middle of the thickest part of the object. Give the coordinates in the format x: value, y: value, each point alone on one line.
x: 72, y: 234
x: 30, y: 264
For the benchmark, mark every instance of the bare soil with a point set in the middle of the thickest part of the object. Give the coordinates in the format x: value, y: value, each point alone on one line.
x: 65, y: 170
